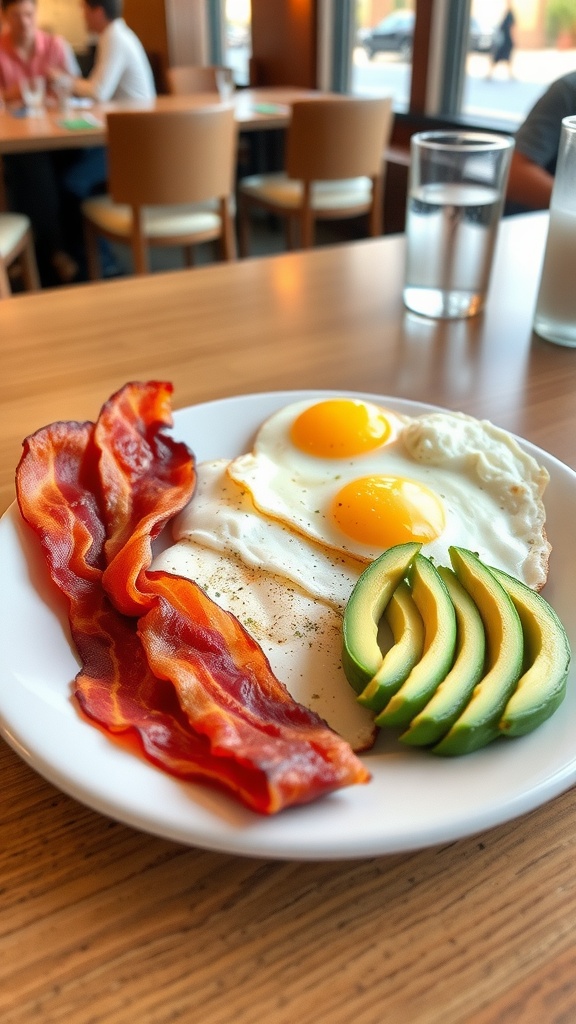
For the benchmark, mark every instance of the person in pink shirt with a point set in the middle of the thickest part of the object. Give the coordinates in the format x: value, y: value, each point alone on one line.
x: 32, y: 179
x: 26, y: 51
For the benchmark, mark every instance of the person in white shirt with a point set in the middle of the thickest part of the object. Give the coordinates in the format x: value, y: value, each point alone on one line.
x: 121, y: 68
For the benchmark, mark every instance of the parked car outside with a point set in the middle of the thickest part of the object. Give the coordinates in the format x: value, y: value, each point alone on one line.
x: 395, y: 34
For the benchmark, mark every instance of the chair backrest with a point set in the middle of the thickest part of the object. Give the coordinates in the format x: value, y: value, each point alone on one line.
x: 178, y: 156
x: 333, y: 138
x: 190, y: 78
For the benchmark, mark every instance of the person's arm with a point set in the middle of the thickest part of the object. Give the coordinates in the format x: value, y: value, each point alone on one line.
x: 529, y: 184
x: 9, y: 88
x: 537, y: 140
x: 103, y: 81
x: 83, y: 87
x: 11, y: 93
x: 63, y: 66
x: 71, y: 64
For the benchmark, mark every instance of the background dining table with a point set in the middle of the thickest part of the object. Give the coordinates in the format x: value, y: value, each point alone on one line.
x: 83, y: 124
x: 100, y: 922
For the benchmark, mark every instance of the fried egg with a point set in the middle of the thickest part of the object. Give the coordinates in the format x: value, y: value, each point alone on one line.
x: 357, y: 478
x: 280, y: 535
x: 222, y: 516
x: 286, y: 591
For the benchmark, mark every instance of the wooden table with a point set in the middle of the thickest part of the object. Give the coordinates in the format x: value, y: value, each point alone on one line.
x: 100, y: 923
x: 256, y: 109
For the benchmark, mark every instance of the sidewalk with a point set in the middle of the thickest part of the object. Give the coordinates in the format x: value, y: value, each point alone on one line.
x: 535, y: 66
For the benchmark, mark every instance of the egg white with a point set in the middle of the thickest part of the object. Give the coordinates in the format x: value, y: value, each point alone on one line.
x: 287, y: 593
x: 222, y: 516
x: 490, y: 489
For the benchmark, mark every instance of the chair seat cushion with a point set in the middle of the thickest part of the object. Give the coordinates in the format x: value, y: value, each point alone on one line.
x: 159, y: 221
x: 326, y: 195
x: 13, y: 227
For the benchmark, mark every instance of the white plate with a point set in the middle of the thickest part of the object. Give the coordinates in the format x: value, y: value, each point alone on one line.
x: 414, y: 799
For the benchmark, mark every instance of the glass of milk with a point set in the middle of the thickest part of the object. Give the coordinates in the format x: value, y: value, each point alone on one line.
x: 456, y: 190
x: 555, y: 317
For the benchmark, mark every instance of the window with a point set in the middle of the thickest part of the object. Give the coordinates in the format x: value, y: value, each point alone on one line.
x: 544, y: 47
x: 237, y: 39
x: 382, y: 54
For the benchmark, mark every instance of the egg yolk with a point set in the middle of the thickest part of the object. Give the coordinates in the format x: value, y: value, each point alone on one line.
x: 340, y: 427
x: 380, y: 511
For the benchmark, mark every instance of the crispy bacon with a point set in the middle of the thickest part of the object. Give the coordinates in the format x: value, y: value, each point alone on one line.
x: 146, y: 477
x: 227, y: 688
x: 186, y: 679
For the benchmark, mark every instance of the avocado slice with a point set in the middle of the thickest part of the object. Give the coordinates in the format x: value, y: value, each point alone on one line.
x: 478, y: 723
x: 361, y: 655
x: 407, y: 628
x: 547, y: 655
x: 455, y: 690
x: 433, y: 601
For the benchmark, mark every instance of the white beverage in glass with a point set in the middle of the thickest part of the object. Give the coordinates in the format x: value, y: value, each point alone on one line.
x: 555, y: 317
x: 451, y: 230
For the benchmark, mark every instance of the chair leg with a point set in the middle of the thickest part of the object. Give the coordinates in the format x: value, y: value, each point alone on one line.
x: 29, y: 265
x: 5, y: 289
x: 376, y: 214
x: 228, y: 236
x: 306, y: 218
x: 189, y: 255
x: 92, y: 254
x: 243, y: 224
x: 139, y: 247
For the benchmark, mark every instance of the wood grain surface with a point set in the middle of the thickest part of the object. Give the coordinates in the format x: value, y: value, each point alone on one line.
x: 101, y: 924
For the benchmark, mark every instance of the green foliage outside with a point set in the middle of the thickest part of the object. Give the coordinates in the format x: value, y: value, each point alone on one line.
x: 560, y: 18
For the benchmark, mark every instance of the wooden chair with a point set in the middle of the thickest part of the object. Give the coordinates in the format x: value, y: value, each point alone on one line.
x: 171, y: 181
x: 190, y: 78
x: 335, y: 165
x: 17, y: 248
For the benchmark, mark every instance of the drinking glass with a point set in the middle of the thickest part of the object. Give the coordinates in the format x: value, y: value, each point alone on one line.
x: 225, y: 84
x: 456, y: 191
x: 33, y: 93
x: 62, y: 87
x: 555, y: 317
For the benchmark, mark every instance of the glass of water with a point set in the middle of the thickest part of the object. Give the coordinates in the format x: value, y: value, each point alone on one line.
x: 555, y: 316
x: 62, y: 87
x: 456, y: 192
x: 33, y: 92
x: 225, y: 84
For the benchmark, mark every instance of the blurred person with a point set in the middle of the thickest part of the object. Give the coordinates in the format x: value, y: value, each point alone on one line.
x: 121, y: 71
x: 504, y: 42
x: 32, y: 179
x: 537, y: 141
x: 121, y: 68
x: 28, y: 52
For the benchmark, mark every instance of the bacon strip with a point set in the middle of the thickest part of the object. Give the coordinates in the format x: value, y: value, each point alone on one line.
x: 232, y: 723
x: 227, y: 688
x: 145, y: 477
